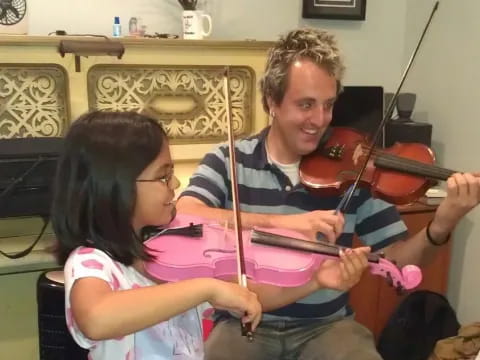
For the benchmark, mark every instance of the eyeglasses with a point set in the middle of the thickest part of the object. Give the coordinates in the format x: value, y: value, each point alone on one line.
x: 166, y: 179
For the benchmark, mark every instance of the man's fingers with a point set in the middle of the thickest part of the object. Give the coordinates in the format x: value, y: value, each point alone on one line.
x: 473, y: 190
x: 348, y: 262
x: 328, y: 232
x: 452, y: 189
x: 461, y: 184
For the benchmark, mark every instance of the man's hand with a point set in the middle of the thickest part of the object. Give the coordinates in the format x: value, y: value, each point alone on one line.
x: 344, y: 273
x: 320, y: 221
x: 463, y: 194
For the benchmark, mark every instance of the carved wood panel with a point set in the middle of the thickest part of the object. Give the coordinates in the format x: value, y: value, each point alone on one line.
x: 33, y: 100
x: 188, y: 101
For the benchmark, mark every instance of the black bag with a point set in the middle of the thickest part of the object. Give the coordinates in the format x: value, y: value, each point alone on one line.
x: 423, y: 318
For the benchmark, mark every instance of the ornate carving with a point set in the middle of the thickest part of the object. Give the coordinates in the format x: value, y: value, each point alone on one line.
x: 189, y: 102
x: 33, y: 101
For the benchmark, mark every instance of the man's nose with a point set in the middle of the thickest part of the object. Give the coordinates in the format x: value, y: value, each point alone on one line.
x: 320, y: 117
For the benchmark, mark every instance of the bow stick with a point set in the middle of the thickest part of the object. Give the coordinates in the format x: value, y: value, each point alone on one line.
x: 241, y: 271
x: 388, y: 113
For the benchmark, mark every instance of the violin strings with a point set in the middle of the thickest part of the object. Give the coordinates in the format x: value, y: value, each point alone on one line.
x: 415, y: 166
x: 410, y: 164
x: 288, y: 242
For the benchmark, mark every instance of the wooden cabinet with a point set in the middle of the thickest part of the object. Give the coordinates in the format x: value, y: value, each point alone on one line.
x: 374, y: 300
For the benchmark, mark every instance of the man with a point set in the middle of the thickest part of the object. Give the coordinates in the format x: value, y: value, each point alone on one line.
x: 302, y: 79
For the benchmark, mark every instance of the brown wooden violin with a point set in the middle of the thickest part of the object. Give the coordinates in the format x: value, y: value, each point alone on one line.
x: 399, y: 174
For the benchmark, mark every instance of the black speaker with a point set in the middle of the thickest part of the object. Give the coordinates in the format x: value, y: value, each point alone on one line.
x: 405, y: 105
x: 55, y: 342
x: 27, y: 171
x: 408, y: 131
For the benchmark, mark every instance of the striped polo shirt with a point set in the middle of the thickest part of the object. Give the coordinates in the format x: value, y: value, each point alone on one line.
x: 263, y: 188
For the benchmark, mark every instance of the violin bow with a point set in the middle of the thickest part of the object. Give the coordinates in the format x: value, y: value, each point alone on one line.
x: 241, y: 270
x: 388, y: 113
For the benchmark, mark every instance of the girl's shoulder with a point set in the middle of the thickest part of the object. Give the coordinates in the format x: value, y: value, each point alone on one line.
x: 88, y: 251
x: 85, y: 255
x: 92, y: 262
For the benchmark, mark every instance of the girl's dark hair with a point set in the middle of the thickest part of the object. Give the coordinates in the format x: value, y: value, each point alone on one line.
x: 95, y: 191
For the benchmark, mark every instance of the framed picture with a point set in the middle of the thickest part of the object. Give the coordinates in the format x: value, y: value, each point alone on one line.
x: 334, y: 9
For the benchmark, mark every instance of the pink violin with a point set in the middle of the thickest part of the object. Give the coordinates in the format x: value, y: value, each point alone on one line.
x: 277, y: 257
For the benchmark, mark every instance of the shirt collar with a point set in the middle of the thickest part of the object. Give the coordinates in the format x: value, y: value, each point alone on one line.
x: 261, y: 149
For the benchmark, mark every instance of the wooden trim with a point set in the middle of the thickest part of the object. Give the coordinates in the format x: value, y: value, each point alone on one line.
x: 416, y: 207
x: 23, y: 40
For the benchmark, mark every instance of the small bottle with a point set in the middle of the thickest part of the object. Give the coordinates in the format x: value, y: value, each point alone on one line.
x: 117, y: 28
x: 133, y: 26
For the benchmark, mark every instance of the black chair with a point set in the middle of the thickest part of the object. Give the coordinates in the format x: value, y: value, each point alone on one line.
x: 55, y: 342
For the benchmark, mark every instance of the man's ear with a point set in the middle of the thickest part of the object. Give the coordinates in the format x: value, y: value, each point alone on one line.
x: 271, y: 105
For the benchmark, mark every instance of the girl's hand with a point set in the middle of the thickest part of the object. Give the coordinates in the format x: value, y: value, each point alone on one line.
x: 238, y: 299
x: 344, y: 273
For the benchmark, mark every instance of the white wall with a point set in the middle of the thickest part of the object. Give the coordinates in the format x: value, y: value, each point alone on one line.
x: 373, y: 48
x: 446, y: 78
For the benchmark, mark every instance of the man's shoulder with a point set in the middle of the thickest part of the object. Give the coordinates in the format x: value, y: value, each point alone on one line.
x: 248, y: 144
x: 245, y: 147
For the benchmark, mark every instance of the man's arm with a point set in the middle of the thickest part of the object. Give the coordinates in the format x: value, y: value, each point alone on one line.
x: 309, y: 224
x: 414, y: 250
x: 193, y: 206
x: 463, y: 194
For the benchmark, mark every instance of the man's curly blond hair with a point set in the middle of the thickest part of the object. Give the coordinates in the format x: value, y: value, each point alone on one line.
x: 315, y: 45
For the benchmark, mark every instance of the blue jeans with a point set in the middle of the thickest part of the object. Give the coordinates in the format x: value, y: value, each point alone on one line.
x: 342, y: 339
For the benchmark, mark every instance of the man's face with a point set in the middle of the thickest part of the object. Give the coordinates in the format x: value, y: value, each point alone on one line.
x: 306, y: 110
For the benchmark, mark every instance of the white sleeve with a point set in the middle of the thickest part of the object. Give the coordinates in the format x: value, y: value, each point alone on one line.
x: 82, y: 263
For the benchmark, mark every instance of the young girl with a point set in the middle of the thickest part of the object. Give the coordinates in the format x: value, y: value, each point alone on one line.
x: 115, y: 177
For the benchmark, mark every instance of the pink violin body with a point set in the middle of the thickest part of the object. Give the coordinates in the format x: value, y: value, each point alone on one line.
x: 213, y: 254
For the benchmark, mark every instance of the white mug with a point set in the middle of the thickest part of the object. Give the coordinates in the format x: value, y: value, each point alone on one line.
x: 194, y: 24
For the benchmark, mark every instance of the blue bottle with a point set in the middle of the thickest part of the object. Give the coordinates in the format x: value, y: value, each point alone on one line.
x: 117, y: 28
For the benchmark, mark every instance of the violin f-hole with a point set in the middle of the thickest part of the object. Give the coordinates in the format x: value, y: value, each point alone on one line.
x: 206, y: 253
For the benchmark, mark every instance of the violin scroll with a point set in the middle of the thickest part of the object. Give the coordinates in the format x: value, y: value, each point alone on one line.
x: 406, y: 278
